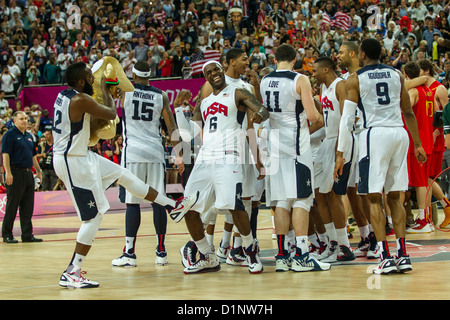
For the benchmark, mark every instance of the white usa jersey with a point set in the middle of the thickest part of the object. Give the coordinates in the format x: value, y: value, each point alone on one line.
x: 331, y: 109
x: 141, y: 125
x: 289, y: 131
x: 379, y: 102
x: 70, y: 138
x: 222, y: 130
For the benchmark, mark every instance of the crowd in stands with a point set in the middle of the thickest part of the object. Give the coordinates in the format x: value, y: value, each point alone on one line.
x: 40, y: 38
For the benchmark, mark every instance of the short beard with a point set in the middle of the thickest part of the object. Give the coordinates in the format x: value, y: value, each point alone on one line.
x: 88, y: 89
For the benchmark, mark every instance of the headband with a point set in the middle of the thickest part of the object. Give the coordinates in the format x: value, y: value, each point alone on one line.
x: 210, y: 62
x: 238, y: 10
x: 141, y: 74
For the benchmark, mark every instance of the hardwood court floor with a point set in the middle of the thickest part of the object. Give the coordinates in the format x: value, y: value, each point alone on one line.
x: 30, y: 271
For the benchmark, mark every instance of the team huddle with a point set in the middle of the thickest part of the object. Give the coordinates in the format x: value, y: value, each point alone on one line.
x: 358, y: 139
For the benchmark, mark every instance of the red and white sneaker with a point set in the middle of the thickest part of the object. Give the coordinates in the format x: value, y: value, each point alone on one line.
x: 72, y: 278
x: 182, y: 206
x: 421, y: 226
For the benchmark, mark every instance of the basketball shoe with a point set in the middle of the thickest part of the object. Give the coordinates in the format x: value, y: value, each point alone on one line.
x: 304, y: 262
x: 189, y: 254
x: 362, y: 248
x: 282, y: 262
x: 206, y: 263
x: 236, y: 257
x: 385, y: 266
x: 182, y: 206
x: 345, y: 254
x: 222, y: 253
x: 446, y: 221
x: 125, y: 260
x: 253, y: 260
x: 332, y: 254
x: 403, y: 264
x: 161, y: 258
x: 421, y: 226
x: 72, y: 278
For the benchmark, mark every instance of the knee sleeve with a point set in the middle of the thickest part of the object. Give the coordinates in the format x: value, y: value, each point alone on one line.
x: 228, y: 218
x: 303, y: 203
x: 133, y: 184
x: 88, y: 230
x: 159, y: 218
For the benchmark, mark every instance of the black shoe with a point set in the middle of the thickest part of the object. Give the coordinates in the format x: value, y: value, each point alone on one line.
x: 10, y: 240
x: 31, y: 239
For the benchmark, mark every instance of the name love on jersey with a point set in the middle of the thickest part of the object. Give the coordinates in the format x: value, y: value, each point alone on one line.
x: 214, y: 108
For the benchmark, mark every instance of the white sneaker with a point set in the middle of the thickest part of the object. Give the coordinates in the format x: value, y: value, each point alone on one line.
x: 189, y: 254
x: 206, y: 263
x: 253, y: 260
x: 386, y: 266
x: 126, y: 260
x: 333, y: 250
x: 236, y: 257
x: 73, y: 279
x: 362, y: 248
x: 182, y: 206
x: 304, y: 262
x: 375, y: 253
x: 282, y: 263
x: 403, y: 264
x: 222, y: 253
x: 161, y: 258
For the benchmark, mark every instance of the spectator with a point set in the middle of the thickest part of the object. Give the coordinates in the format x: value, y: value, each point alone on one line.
x: 52, y: 71
x: 45, y: 122
x: 7, y: 81
x: 165, y: 65
x: 45, y: 155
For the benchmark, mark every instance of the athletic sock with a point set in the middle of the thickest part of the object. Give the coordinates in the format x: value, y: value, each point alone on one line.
x: 226, y: 237
x: 444, y: 202
x: 77, y: 260
x: 384, y: 249
x: 203, y: 246
x: 164, y: 201
x: 401, y: 247
x: 302, y: 243
x: 130, y: 243
x: 281, y: 243
x: 364, y: 231
x: 342, y: 237
x: 331, y: 231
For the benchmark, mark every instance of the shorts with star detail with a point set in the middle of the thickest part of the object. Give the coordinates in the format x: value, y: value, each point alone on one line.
x: 86, y: 179
x: 290, y: 179
x: 219, y: 185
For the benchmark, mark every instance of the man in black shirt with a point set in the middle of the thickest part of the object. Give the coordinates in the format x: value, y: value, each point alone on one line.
x: 19, y: 156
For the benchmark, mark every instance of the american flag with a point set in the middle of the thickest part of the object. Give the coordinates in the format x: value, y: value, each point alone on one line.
x: 339, y: 20
x: 198, y: 59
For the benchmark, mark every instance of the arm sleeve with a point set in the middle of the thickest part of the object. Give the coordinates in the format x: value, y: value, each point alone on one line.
x: 345, y: 136
x: 187, y: 129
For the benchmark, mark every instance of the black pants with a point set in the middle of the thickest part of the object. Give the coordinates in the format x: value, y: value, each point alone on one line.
x: 20, y: 195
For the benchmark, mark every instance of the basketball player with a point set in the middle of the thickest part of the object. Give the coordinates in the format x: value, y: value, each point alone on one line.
x: 329, y: 193
x: 289, y: 180
x: 236, y: 65
x: 379, y: 92
x: 367, y: 247
x: 422, y: 102
x: 143, y: 155
x: 85, y: 174
x: 218, y: 169
x: 441, y: 100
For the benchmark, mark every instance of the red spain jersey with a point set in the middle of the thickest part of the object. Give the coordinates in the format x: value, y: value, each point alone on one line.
x: 424, y: 111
